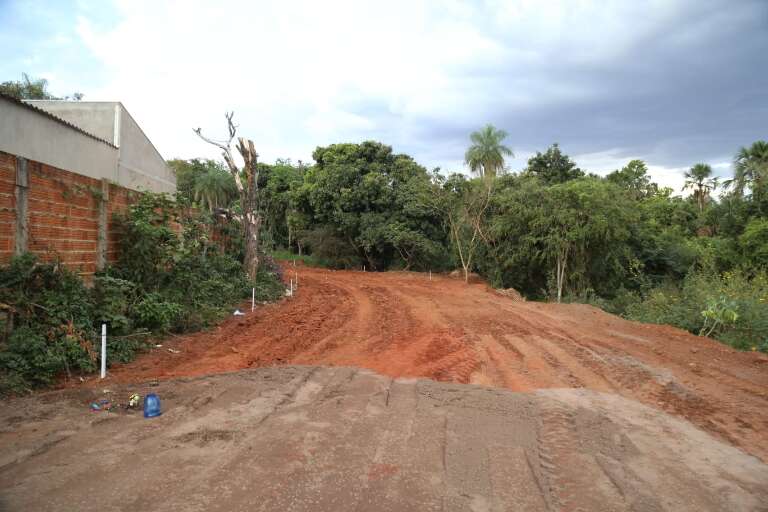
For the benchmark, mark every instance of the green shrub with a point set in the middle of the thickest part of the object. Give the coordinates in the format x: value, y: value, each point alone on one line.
x: 732, y: 307
x: 51, y: 312
x: 164, y: 281
x: 113, y: 298
x: 29, y: 360
x: 154, y: 313
x: 309, y: 260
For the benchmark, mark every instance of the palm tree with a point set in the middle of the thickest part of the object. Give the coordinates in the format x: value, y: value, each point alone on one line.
x: 486, y: 154
x: 216, y: 188
x: 698, y: 178
x: 750, y: 168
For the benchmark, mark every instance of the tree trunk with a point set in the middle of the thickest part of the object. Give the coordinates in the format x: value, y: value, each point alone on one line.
x: 252, y: 216
x: 290, y: 232
x: 252, y: 225
x: 562, y: 258
x: 249, y: 192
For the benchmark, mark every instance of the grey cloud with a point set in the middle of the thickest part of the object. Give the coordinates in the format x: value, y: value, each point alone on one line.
x: 692, y: 88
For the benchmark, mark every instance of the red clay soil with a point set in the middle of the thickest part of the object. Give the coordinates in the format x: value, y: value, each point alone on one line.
x: 406, y: 325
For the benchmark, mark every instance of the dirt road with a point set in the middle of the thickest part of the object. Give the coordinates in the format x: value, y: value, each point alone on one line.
x: 344, y: 439
x: 404, y: 325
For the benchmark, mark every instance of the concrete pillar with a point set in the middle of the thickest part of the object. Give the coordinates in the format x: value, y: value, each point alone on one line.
x: 21, y: 192
x: 101, y: 247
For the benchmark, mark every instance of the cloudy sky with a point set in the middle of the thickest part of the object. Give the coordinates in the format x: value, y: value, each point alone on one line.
x: 671, y: 82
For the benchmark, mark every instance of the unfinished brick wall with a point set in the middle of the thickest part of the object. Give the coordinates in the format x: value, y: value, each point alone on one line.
x: 64, y: 212
x: 7, y: 206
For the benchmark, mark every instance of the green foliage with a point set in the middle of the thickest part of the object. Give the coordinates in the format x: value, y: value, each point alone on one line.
x: 113, y: 298
x: 553, y: 166
x: 32, y: 89
x: 215, y: 189
x: 583, y: 224
x: 28, y: 360
x: 754, y: 243
x: 204, y: 184
x: 485, y: 156
x: 699, y: 179
x: 720, y: 314
x: 634, y: 179
x: 732, y: 307
x: 50, y: 307
x: 148, y: 243
x: 364, y: 205
x: 309, y: 260
x: 154, y: 313
x: 169, y: 278
x: 751, y: 172
x: 282, y: 220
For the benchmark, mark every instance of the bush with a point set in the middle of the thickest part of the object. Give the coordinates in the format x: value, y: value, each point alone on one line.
x: 330, y: 249
x: 167, y: 279
x: 113, y: 298
x: 309, y: 260
x: 732, y: 307
x: 51, y: 313
x: 154, y: 313
x: 29, y: 360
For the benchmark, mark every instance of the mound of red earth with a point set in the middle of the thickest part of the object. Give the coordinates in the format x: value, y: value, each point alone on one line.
x: 408, y: 325
x: 338, y: 439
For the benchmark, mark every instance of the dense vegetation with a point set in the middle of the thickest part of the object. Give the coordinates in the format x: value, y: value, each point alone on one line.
x: 171, y: 277
x: 552, y: 230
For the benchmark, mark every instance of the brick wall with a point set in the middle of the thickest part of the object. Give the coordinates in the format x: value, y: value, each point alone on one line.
x: 63, y: 215
x: 7, y: 206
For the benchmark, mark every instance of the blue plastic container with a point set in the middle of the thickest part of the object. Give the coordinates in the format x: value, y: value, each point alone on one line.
x: 152, y: 406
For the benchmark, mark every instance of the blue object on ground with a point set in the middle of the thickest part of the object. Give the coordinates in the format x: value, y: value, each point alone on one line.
x: 152, y: 406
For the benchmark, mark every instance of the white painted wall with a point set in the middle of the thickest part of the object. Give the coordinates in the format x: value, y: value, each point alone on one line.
x: 139, y: 165
x: 35, y: 136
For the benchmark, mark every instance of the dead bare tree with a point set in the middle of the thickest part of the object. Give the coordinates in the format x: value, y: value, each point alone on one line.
x: 249, y: 191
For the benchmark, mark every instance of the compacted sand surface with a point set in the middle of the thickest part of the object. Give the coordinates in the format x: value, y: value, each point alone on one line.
x: 338, y: 439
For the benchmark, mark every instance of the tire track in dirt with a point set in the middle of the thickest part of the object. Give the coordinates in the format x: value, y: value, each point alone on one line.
x: 575, y: 482
x: 405, y: 325
x: 318, y: 438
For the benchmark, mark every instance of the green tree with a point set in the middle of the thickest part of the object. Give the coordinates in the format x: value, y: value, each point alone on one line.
x: 215, y: 188
x: 572, y: 238
x: 203, y: 183
x: 463, y: 204
x: 368, y: 204
x: 553, y: 166
x: 32, y: 89
x: 754, y: 243
x: 699, y: 179
x: 585, y: 227
x: 634, y: 178
x: 281, y: 218
x: 485, y: 156
x: 751, y: 170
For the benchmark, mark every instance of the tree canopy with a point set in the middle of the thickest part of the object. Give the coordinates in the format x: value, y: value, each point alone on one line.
x: 485, y: 157
x: 366, y: 206
x: 553, y: 166
x: 32, y: 89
